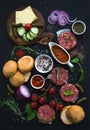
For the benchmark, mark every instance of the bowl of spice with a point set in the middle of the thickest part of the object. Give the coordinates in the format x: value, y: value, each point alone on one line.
x: 78, y: 27
x: 37, y: 81
x: 43, y: 63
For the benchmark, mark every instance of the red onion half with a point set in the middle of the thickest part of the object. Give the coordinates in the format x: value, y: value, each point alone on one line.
x: 23, y: 92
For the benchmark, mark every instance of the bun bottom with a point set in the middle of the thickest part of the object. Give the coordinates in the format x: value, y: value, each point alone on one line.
x: 64, y: 117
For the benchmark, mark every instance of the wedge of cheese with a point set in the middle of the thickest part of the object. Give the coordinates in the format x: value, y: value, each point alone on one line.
x: 25, y: 16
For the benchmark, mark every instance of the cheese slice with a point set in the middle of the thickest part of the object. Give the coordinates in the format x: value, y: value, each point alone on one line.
x: 25, y: 16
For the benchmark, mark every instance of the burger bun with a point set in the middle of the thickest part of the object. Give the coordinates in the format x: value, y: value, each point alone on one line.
x: 9, y: 68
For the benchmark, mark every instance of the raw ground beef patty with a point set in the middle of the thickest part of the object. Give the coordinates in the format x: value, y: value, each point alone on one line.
x: 59, y: 76
x: 45, y: 114
x: 67, y: 40
x: 69, y: 93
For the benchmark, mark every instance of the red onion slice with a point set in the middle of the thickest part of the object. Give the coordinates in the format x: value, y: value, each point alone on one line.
x: 62, y: 18
x: 54, y: 15
x: 71, y: 21
x: 52, y: 18
x: 50, y: 21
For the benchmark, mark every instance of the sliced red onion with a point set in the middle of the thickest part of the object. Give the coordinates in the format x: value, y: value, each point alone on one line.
x: 54, y: 15
x: 60, y: 17
x: 50, y: 21
x: 52, y: 18
x: 71, y: 21
x: 23, y: 92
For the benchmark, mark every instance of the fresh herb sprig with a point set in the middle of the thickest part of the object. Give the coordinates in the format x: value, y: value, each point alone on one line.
x: 10, y: 102
x: 81, y: 71
x: 26, y: 49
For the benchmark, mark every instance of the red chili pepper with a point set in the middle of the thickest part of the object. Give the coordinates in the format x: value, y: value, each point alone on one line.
x: 20, y: 53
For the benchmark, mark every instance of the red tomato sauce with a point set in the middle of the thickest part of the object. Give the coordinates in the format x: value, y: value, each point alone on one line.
x: 61, y: 55
x: 36, y: 81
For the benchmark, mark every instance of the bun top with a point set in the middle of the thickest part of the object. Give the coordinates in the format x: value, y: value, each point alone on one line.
x: 25, y: 64
x: 9, y: 68
x: 75, y: 113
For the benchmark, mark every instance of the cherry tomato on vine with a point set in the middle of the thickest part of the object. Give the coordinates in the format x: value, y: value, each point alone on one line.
x: 51, y: 90
x: 34, y: 97
x: 33, y: 105
x: 53, y: 103
x: 60, y: 106
x: 27, y: 26
x: 41, y: 100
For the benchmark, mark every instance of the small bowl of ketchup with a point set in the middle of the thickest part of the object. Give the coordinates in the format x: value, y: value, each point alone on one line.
x: 37, y: 81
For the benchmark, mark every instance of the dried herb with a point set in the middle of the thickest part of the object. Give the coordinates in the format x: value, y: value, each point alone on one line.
x: 31, y: 114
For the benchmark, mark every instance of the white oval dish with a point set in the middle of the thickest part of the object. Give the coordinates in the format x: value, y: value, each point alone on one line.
x: 51, y: 44
x: 43, y: 63
x: 62, y: 30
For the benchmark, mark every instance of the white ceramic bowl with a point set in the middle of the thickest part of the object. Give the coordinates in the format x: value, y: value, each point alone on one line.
x: 78, y: 27
x: 37, y: 81
x: 43, y: 63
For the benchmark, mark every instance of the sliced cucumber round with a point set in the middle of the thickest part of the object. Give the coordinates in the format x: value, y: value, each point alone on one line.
x: 32, y: 35
x: 20, y: 31
x: 28, y: 36
x: 25, y: 37
x: 34, y: 30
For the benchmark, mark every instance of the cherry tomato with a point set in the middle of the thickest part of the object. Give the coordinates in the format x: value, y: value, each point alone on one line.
x: 41, y: 100
x: 34, y: 97
x: 33, y: 105
x: 27, y: 26
x: 51, y: 90
x: 60, y: 106
x: 53, y: 104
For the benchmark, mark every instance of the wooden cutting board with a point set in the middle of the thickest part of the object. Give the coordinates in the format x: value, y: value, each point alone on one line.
x: 18, y: 40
